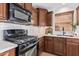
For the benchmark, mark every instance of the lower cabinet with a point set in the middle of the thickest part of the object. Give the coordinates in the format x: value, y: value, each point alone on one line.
x: 9, y: 53
x: 40, y: 45
x: 59, y: 46
x: 72, y: 49
x: 49, y: 44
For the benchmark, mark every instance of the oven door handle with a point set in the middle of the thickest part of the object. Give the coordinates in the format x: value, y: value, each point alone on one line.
x: 27, y: 48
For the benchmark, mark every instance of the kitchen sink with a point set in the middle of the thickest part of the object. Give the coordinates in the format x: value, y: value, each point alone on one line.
x: 66, y: 35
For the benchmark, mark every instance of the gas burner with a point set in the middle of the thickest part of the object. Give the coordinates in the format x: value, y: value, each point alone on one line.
x: 19, y: 41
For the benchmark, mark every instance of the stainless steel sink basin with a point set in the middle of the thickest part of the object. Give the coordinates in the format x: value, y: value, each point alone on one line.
x: 66, y: 35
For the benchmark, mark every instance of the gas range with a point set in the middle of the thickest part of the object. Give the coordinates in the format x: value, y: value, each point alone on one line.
x: 20, y: 37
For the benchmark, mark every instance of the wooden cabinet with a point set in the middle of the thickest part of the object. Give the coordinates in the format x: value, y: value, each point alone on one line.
x: 8, y: 53
x: 41, y: 45
x: 42, y: 16
x: 35, y: 17
x: 72, y: 47
x: 49, y: 44
x: 21, y: 4
x: 49, y: 18
x: 28, y: 6
x: 3, y: 11
x: 59, y: 46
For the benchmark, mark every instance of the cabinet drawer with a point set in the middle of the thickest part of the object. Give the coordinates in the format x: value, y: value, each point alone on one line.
x: 48, y: 37
x: 69, y: 40
x: 73, y: 40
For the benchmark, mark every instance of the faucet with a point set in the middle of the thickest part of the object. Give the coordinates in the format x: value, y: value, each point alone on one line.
x: 63, y: 30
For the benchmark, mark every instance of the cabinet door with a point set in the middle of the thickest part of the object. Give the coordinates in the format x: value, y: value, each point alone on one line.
x: 34, y: 17
x: 41, y: 45
x: 9, y: 53
x: 21, y: 4
x: 49, y: 18
x: 42, y: 15
x: 59, y: 46
x: 49, y: 44
x: 28, y: 6
x: 3, y: 11
x: 72, y: 49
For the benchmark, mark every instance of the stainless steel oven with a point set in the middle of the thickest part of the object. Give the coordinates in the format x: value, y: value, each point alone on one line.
x: 30, y: 50
x: 27, y: 45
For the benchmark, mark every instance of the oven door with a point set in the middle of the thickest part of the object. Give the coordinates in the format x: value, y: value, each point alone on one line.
x: 28, y: 51
x: 32, y: 51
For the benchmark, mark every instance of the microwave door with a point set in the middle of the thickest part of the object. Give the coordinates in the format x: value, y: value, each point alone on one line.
x: 21, y: 16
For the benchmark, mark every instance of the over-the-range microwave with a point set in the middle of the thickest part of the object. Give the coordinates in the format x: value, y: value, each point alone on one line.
x: 19, y: 14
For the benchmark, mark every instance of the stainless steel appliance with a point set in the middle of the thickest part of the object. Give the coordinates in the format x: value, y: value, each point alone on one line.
x: 18, y: 14
x: 27, y: 45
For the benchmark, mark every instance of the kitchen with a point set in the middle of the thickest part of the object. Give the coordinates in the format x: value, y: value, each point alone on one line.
x: 54, y: 29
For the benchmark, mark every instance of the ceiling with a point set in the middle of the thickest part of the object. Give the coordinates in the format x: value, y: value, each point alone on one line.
x: 56, y: 7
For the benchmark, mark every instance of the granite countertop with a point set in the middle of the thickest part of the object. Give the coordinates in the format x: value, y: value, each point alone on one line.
x: 75, y: 37
x: 5, y: 45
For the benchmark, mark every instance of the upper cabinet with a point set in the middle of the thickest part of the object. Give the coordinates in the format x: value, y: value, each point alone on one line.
x: 3, y: 11
x: 34, y: 17
x: 64, y: 20
x: 77, y: 15
x: 28, y: 6
x: 42, y: 16
x: 49, y: 18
